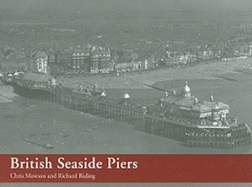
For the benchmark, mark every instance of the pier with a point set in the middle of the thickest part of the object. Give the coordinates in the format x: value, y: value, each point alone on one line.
x: 126, y: 112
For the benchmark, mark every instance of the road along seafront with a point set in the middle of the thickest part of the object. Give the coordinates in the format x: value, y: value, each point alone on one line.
x: 136, y: 80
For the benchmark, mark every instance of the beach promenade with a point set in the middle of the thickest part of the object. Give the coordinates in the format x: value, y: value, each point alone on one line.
x: 136, y: 80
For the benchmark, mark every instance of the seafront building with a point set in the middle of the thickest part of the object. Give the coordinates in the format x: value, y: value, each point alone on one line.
x: 122, y: 67
x: 42, y: 62
x: 100, y: 60
x: 80, y: 60
x: 250, y: 48
x: 63, y: 60
x: 39, y: 62
x: 84, y: 59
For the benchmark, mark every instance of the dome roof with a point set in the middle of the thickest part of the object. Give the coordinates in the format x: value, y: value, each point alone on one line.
x: 103, y: 94
x: 186, y: 88
x: 211, y: 98
x: 126, y: 96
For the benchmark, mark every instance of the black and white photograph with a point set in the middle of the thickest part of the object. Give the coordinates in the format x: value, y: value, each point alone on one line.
x: 125, y: 77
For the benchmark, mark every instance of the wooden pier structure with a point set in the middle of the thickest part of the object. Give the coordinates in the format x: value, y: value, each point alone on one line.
x: 137, y: 115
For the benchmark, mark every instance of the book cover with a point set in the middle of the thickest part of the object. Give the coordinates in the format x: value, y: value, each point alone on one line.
x: 125, y: 93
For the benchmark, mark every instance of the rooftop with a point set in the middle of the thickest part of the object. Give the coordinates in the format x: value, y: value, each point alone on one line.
x: 35, y: 77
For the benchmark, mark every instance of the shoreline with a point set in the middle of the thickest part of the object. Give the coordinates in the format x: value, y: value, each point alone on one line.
x: 137, y: 80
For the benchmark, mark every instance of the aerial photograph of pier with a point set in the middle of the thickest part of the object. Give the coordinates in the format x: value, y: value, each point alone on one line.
x: 125, y: 77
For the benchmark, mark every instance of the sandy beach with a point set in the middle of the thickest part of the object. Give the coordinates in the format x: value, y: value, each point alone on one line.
x: 136, y: 80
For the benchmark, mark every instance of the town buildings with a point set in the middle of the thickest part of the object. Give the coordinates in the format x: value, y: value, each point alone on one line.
x: 98, y: 59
